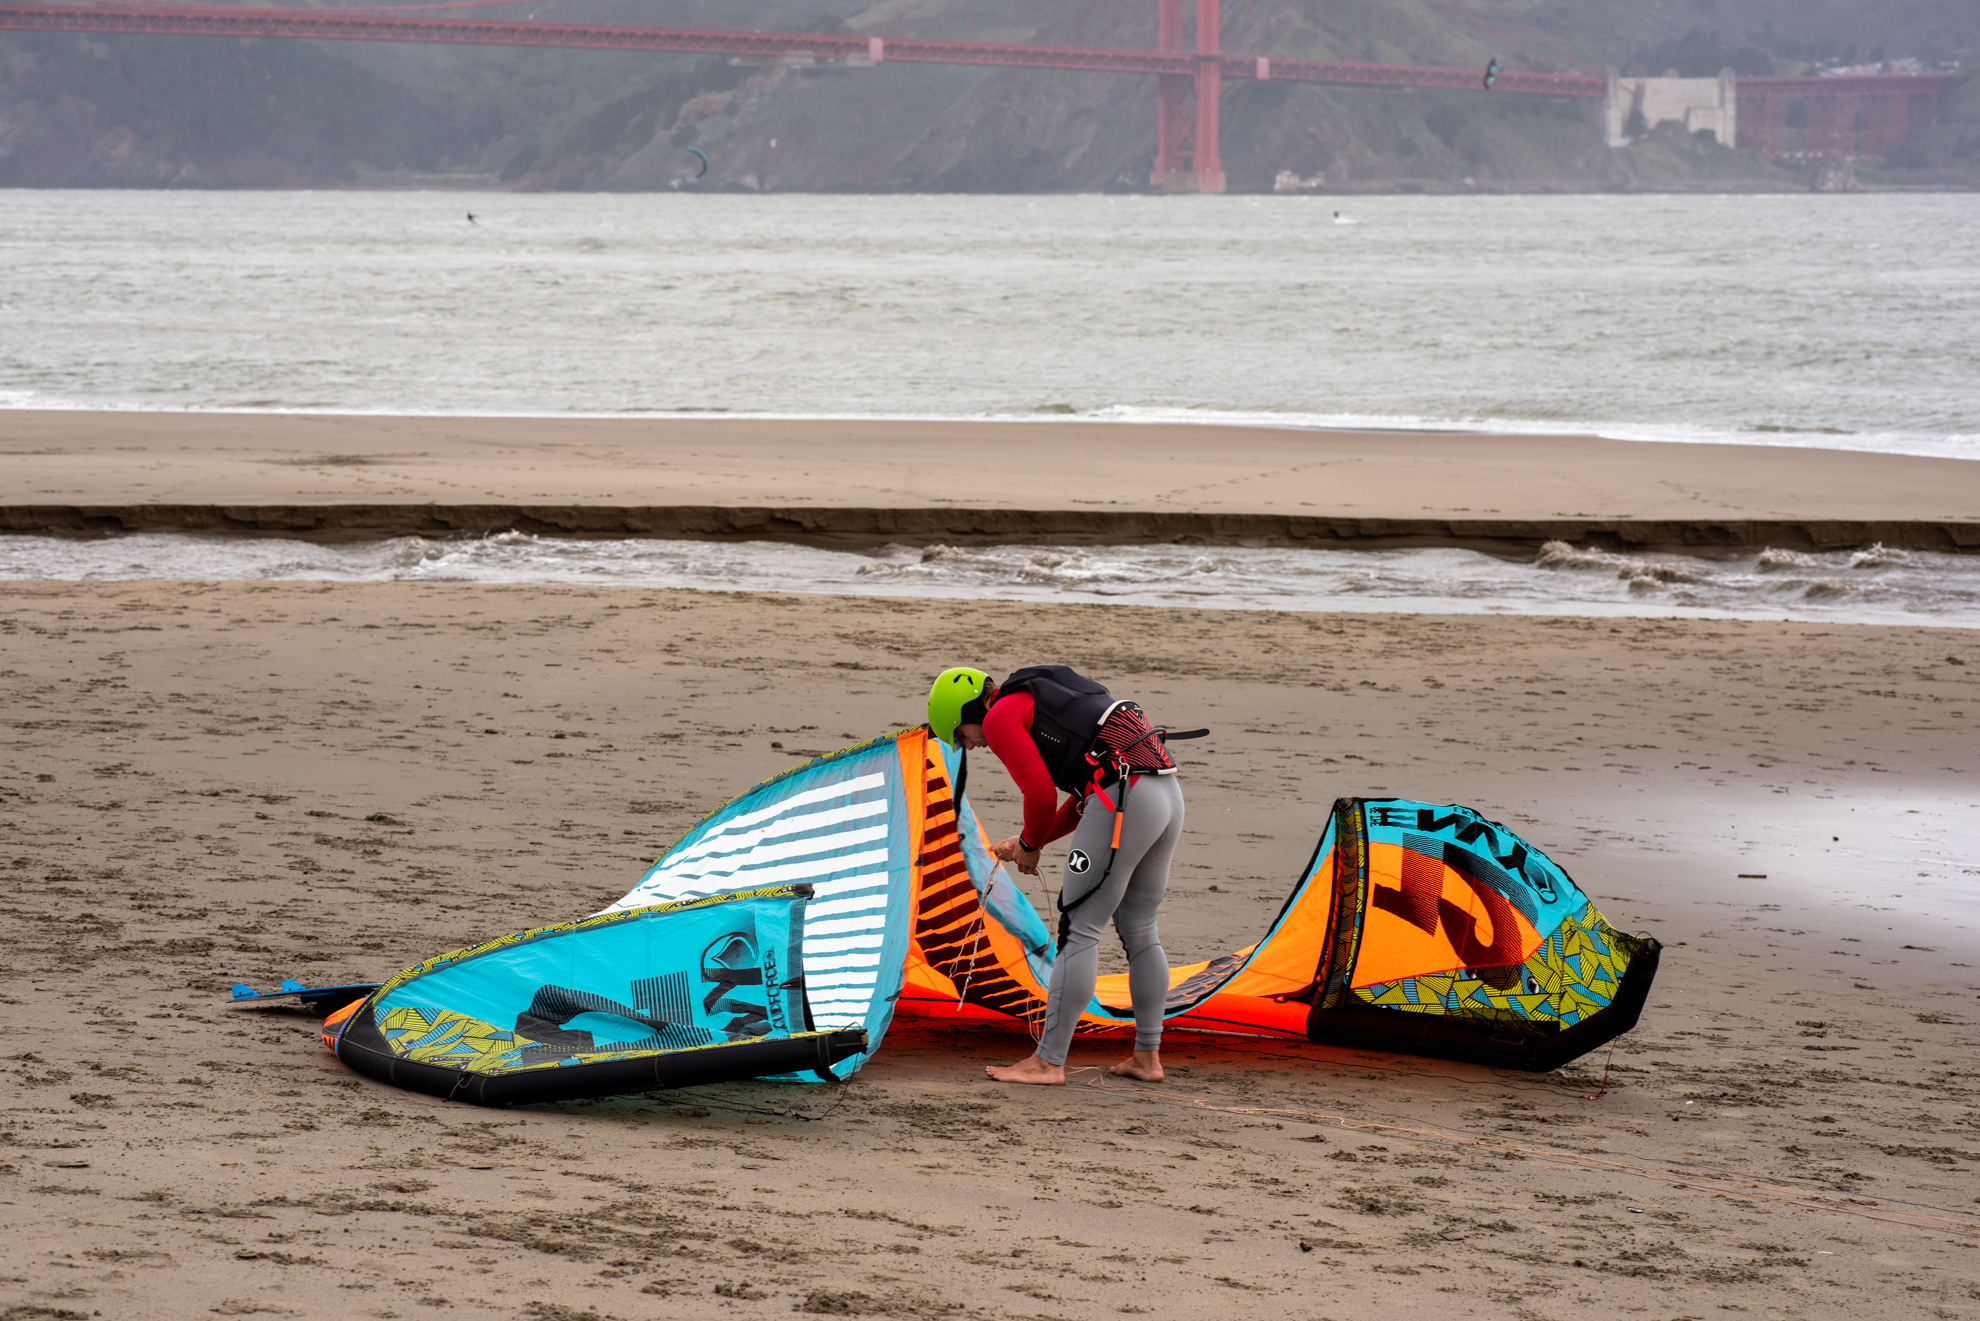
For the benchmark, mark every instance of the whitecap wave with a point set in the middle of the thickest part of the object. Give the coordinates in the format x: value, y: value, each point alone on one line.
x: 1560, y: 579
x: 1639, y: 574
x: 1774, y: 560
x: 1878, y: 556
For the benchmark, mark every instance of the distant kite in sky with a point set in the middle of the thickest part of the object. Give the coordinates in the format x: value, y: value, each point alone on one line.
x: 702, y: 156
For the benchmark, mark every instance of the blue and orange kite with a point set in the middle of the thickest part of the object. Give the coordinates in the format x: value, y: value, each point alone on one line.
x: 784, y: 932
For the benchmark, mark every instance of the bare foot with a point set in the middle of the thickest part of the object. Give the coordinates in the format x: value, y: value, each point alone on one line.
x: 1143, y: 1064
x: 1030, y: 1069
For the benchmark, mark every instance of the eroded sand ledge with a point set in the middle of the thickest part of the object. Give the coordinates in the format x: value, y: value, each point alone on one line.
x: 863, y: 482
x: 828, y: 526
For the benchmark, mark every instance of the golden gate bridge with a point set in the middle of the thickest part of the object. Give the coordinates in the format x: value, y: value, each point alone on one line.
x: 1867, y: 113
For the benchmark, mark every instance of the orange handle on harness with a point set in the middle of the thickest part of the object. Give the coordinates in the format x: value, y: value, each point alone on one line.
x: 1118, y: 818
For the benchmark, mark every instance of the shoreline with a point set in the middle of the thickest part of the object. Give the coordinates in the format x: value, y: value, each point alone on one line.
x: 1064, y: 415
x: 851, y: 482
x: 1947, y: 181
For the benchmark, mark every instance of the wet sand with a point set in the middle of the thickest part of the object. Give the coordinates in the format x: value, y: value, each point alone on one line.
x: 867, y: 481
x: 218, y: 782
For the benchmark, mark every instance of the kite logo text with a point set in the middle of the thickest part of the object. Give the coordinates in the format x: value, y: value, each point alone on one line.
x: 728, y: 964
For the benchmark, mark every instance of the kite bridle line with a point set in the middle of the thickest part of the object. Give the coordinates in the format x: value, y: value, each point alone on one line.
x: 1929, y: 1218
x: 1602, y: 1089
x: 975, y: 944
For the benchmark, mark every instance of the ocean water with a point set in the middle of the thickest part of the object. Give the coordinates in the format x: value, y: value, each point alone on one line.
x: 1874, y: 585
x: 1847, y: 321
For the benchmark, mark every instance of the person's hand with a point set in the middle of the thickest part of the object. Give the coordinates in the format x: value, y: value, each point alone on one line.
x: 1010, y: 850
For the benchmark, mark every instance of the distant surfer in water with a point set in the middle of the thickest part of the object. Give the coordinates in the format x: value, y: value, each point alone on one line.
x: 1054, y: 728
x: 472, y: 221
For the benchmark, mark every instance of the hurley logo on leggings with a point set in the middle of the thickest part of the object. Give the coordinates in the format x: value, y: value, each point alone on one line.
x: 1077, y: 861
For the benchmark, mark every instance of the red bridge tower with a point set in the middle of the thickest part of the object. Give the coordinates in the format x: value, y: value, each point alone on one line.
x: 1186, y: 159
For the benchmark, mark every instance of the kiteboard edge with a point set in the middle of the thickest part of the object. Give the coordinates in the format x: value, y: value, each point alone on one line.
x: 315, y: 999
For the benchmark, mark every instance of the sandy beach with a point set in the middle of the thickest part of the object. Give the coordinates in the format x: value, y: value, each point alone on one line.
x: 209, y: 783
x: 215, y: 782
x: 863, y: 482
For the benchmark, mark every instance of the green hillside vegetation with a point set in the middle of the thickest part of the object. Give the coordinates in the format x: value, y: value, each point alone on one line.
x: 153, y: 111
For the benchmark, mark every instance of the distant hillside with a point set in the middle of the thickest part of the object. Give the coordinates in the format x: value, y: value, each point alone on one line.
x: 206, y: 112
x: 195, y: 111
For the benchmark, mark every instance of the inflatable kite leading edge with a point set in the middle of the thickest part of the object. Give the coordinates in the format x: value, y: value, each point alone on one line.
x: 783, y: 932
x: 705, y: 990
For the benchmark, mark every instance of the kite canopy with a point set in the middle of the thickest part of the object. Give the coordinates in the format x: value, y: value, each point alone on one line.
x: 1450, y: 935
x: 631, y: 1001
x: 783, y: 932
x: 1415, y: 927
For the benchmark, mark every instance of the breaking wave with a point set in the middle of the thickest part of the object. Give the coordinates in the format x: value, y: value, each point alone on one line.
x: 1871, y: 585
x: 1641, y: 575
x: 1906, y: 580
x: 1878, y: 556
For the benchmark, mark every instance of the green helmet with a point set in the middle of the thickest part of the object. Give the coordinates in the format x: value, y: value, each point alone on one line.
x: 954, y: 689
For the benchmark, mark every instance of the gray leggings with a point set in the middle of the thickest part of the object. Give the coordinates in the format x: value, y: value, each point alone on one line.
x: 1130, y: 894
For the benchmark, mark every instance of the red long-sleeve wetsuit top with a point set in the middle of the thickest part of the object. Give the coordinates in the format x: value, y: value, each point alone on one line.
x: 1007, y: 729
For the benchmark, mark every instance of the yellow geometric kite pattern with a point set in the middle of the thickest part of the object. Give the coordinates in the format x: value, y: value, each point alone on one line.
x: 456, y: 1041
x: 1571, y: 975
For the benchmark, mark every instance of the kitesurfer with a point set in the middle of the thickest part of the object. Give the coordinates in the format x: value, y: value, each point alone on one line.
x: 1053, y: 729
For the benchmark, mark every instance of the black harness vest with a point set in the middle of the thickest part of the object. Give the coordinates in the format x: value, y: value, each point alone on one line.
x: 1067, y: 708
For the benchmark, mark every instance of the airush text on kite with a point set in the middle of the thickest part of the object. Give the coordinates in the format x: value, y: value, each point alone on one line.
x: 1470, y: 829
